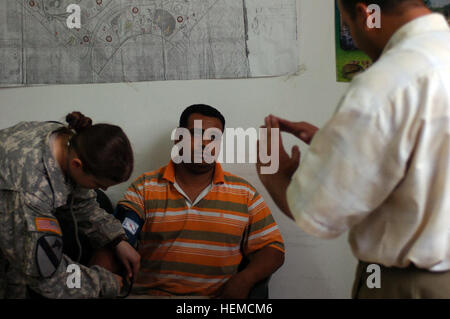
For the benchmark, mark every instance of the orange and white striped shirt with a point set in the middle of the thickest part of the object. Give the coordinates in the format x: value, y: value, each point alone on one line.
x: 193, y: 248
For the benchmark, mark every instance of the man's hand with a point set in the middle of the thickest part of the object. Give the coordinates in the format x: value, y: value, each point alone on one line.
x: 238, y: 287
x: 277, y: 184
x: 129, y: 258
x: 303, y: 130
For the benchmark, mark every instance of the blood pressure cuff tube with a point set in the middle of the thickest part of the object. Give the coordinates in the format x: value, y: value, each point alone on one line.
x: 131, y: 223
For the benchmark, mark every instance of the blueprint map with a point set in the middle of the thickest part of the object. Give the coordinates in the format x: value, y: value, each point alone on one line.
x: 146, y: 40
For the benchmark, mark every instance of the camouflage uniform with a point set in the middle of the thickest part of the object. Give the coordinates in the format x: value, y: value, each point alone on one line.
x: 32, y: 187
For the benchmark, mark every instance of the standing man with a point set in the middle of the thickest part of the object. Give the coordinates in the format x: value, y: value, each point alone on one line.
x: 381, y: 166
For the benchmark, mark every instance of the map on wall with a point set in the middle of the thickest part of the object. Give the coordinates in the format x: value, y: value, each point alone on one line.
x: 351, y: 61
x: 146, y: 40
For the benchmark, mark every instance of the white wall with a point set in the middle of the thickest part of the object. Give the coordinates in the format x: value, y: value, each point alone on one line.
x: 149, y: 111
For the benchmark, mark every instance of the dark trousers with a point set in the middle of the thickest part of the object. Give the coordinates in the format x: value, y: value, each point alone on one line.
x: 402, y: 283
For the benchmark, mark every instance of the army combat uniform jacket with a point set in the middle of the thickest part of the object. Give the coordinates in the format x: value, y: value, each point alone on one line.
x: 32, y: 187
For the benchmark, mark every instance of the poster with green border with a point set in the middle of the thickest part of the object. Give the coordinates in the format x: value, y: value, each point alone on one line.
x: 351, y: 61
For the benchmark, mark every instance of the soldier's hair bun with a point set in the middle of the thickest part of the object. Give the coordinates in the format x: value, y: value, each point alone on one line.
x: 78, y: 122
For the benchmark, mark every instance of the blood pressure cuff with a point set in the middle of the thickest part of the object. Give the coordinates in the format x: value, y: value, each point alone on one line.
x: 131, y: 223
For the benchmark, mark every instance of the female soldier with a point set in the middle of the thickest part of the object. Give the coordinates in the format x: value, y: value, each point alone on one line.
x: 45, y: 166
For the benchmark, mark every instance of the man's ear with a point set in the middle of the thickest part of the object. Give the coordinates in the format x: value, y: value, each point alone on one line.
x: 76, y: 163
x: 362, y: 16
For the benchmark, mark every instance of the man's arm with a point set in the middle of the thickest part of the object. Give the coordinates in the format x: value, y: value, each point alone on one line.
x: 354, y: 163
x: 103, y: 229
x: 130, y: 214
x: 263, y: 264
x: 105, y: 258
x: 132, y: 224
x: 264, y: 247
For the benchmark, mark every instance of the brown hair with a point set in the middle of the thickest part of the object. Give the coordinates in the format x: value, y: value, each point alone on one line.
x: 104, y: 149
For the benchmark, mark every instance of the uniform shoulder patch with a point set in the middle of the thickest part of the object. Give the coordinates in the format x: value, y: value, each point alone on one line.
x: 49, y: 253
x: 47, y: 225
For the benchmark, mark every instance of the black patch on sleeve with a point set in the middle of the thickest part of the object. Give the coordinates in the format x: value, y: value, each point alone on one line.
x: 49, y: 253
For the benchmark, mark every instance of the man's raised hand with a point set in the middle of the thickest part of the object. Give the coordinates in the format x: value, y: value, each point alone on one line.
x: 303, y: 130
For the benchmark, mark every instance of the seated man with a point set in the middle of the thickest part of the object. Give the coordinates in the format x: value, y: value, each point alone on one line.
x: 193, y: 224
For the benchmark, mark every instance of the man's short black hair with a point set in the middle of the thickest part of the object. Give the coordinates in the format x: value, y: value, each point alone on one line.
x: 385, y: 5
x: 202, y: 109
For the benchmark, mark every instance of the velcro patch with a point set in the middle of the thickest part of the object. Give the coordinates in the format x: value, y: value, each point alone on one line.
x: 49, y: 253
x: 47, y: 225
x: 130, y: 225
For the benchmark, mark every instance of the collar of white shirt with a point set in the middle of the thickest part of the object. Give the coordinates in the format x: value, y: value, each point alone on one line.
x: 428, y: 23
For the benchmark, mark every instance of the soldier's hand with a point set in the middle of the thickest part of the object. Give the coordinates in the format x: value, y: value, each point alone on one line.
x: 119, y: 281
x: 129, y: 258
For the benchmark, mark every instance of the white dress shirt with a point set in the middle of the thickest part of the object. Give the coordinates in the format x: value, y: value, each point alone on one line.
x: 381, y: 166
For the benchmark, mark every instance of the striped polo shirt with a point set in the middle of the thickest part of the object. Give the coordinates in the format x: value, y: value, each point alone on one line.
x: 193, y: 248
